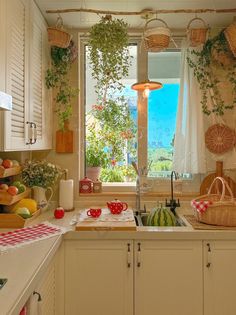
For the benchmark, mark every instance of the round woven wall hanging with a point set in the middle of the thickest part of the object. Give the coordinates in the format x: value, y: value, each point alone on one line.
x: 219, y: 138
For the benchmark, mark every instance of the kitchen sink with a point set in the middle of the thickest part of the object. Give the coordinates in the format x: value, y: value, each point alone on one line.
x: 141, y: 220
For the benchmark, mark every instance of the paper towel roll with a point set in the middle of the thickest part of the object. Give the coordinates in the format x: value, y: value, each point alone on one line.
x: 66, y: 194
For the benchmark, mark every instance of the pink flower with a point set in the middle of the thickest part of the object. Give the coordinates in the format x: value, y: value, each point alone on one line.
x: 97, y: 107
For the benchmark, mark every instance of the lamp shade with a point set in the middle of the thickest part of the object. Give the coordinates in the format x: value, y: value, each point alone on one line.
x: 146, y: 85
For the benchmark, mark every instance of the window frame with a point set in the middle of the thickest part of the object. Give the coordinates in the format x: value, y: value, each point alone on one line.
x: 157, y: 184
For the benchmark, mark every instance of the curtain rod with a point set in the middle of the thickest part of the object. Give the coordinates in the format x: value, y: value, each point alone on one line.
x: 143, y: 12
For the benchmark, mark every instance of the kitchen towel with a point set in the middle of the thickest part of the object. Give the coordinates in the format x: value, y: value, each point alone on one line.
x: 28, y: 235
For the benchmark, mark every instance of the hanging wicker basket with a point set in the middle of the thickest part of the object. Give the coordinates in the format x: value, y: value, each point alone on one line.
x: 230, y: 34
x: 219, y: 138
x: 157, y: 38
x: 197, y: 35
x: 57, y: 36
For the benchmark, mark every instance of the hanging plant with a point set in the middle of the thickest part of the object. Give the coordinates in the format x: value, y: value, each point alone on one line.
x: 57, y: 78
x: 110, y: 61
x: 214, y: 56
x: 109, y: 54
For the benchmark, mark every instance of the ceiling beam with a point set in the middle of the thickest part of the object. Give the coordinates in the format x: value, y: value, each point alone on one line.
x: 59, y: 11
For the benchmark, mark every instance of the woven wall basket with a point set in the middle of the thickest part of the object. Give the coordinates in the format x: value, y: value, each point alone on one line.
x: 157, y: 38
x: 230, y: 34
x: 219, y: 138
x: 57, y: 36
x: 197, y: 35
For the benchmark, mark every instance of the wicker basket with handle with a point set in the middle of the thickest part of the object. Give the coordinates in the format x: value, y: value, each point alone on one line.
x: 221, y: 208
x: 57, y: 36
x: 230, y: 34
x: 198, y: 35
x: 157, y: 38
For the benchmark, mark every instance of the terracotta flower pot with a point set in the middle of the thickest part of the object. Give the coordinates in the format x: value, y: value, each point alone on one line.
x: 93, y: 172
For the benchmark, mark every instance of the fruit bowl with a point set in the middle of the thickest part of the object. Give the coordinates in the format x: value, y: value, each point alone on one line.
x: 7, y: 199
x: 13, y: 220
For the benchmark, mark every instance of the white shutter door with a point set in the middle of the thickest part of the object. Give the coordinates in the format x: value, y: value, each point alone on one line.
x: 39, y: 99
x: 16, y: 74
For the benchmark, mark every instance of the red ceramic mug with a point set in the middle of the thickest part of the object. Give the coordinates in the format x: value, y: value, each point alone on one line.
x: 95, y: 213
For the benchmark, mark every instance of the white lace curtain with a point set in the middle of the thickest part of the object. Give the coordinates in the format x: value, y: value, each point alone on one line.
x: 189, y: 144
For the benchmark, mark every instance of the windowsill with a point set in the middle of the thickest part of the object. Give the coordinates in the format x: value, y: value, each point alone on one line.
x: 186, y: 195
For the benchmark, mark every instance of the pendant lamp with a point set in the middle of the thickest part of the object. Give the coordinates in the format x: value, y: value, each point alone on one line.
x: 146, y: 87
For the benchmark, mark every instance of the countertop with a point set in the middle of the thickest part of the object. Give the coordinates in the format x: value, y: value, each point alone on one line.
x: 24, y: 266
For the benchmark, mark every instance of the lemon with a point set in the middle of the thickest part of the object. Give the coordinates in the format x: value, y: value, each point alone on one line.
x: 28, y: 203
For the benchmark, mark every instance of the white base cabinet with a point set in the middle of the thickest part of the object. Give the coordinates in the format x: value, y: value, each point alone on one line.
x: 168, y: 277
x: 43, y: 300
x: 219, y: 277
x: 123, y: 277
x: 99, y: 277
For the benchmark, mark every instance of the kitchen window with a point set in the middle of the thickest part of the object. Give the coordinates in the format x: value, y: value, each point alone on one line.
x: 153, y: 118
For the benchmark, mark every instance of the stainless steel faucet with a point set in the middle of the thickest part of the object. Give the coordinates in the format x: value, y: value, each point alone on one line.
x: 173, y: 203
x: 138, y: 191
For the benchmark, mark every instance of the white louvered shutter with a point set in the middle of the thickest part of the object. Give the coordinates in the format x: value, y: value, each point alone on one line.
x: 39, y: 98
x: 16, y: 74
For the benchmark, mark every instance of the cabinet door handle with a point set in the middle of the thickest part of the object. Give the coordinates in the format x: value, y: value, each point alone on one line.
x: 139, y: 255
x: 128, y: 256
x: 208, y: 264
x: 32, y: 132
x: 39, y: 296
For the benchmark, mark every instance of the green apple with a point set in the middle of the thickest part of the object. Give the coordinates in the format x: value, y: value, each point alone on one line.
x: 16, y: 184
x: 21, y: 188
x: 24, y: 212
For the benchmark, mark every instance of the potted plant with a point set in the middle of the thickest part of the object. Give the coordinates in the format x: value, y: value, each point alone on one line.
x: 96, y: 156
x: 57, y: 78
x: 41, y: 176
x: 109, y: 55
x: 212, y: 65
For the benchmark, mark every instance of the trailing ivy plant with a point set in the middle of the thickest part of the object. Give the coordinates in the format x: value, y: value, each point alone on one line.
x: 214, y: 56
x: 109, y: 55
x: 57, y: 78
x: 110, y: 62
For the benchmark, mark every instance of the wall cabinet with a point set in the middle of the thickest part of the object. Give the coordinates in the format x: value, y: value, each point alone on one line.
x: 24, y: 57
x: 98, y: 277
x: 219, y: 277
x: 109, y: 277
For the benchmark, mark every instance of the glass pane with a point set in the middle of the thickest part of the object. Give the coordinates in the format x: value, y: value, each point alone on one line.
x: 111, y: 130
x: 162, y: 108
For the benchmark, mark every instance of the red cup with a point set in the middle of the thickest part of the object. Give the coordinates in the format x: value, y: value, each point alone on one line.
x: 95, y: 213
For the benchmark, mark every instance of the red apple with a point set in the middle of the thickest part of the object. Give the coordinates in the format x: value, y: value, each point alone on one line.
x: 7, y: 163
x: 59, y: 213
x: 12, y: 190
x: 4, y: 187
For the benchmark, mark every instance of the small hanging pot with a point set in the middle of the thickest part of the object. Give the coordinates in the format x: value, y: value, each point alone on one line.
x: 57, y: 36
x: 157, y: 38
x: 197, y: 35
x: 230, y: 34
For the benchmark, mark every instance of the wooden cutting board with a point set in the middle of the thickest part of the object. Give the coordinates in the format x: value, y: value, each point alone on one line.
x: 96, y: 225
x: 206, y: 183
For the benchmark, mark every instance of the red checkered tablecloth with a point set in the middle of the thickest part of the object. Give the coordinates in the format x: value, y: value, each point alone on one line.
x: 28, y: 235
x: 201, y: 205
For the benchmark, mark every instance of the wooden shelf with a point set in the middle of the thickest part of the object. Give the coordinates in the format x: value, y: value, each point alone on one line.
x: 7, y: 199
x: 6, y: 172
x: 13, y: 220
